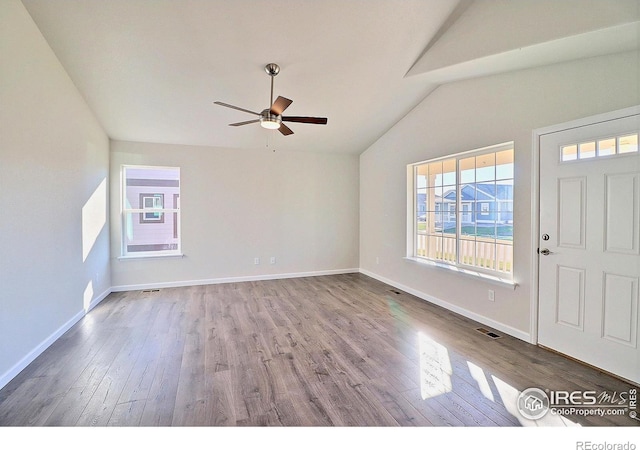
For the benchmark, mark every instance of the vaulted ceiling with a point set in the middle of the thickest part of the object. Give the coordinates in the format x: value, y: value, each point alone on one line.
x: 151, y: 69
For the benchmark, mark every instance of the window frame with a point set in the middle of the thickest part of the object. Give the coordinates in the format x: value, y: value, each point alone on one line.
x: 142, y: 211
x: 412, y: 226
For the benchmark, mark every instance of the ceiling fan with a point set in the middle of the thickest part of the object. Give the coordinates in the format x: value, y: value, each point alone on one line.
x: 272, y: 118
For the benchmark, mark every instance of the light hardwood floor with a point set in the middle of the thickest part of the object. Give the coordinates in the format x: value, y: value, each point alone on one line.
x: 343, y: 350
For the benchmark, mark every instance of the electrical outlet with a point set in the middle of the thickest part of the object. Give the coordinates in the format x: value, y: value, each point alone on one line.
x: 273, y: 260
x: 492, y: 295
x: 256, y: 261
x: 377, y: 260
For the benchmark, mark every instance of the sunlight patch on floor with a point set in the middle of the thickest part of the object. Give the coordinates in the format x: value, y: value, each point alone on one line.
x: 435, y: 367
x: 483, y: 384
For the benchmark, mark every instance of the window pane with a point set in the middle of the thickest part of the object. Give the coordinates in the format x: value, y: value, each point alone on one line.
x: 422, y: 172
x: 433, y: 222
x: 434, y: 246
x: 467, y: 252
x: 486, y: 167
x: 504, y: 164
x: 449, y: 250
x: 449, y: 193
x: 485, y: 253
x: 504, y: 258
x: 587, y: 150
x: 143, y: 236
x: 628, y: 144
x: 421, y: 245
x: 466, y: 213
x: 486, y: 228
x: 569, y: 152
x: 504, y: 202
x: 607, y: 147
x: 468, y: 230
x: 505, y: 232
x: 449, y: 217
x: 433, y: 199
x: 421, y: 223
x: 467, y: 170
x: 435, y: 174
x: 449, y: 172
x: 421, y: 200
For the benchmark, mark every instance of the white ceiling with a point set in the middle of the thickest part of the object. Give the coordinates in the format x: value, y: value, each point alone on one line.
x: 151, y: 69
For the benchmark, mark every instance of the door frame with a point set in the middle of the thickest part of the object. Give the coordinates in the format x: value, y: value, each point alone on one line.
x: 535, y: 198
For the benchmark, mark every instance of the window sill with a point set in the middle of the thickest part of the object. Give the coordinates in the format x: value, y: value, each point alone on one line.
x: 129, y: 257
x: 466, y: 272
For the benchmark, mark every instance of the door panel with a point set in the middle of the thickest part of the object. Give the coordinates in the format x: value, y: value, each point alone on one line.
x: 572, y: 210
x: 570, y: 297
x: 589, y: 277
x: 620, y: 309
x: 622, y: 221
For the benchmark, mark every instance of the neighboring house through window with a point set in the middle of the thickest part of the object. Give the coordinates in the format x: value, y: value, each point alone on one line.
x: 150, y: 226
x: 463, y: 210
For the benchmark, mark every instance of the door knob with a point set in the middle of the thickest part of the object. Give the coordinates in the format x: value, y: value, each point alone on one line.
x: 544, y: 251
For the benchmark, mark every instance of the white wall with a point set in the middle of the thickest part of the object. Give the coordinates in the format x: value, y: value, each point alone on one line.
x: 464, y: 116
x: 54, y: 232
x: 239, y: 204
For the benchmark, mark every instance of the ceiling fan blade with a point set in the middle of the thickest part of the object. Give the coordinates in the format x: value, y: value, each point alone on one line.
x: 316, y: 120
x: 285, y: 130
x: 280, y: 105
x: 237, y: 124
x: 236, y: 107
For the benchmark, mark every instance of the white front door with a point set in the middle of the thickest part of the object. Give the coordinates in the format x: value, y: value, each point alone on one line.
x: 589, y: 262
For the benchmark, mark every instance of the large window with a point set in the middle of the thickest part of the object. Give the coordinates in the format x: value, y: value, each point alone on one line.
x: 463, y: 210
x: 150, y: 211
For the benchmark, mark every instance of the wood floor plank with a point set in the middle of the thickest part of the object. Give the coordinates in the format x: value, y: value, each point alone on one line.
x: 431, y: 409
x: 83, y: 387
x: 105, y: 397
x: 340, y: 350
x: 160, y: 402
x: 398, y: 406
x: 220, y: 410
x: 192, y: 389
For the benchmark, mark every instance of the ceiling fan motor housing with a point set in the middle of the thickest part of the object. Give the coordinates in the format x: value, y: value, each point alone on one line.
x: 270, y: 120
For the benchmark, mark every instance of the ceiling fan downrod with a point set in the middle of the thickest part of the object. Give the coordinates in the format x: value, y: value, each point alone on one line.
x: 272, y: 70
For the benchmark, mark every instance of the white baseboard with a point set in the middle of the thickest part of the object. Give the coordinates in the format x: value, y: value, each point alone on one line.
x: 274, y: 276
x: 40, y: 348
x: 451, y: 307
x: 98, y: 299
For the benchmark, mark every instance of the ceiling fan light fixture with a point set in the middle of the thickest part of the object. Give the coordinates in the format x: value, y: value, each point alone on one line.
x: 270, y: 122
